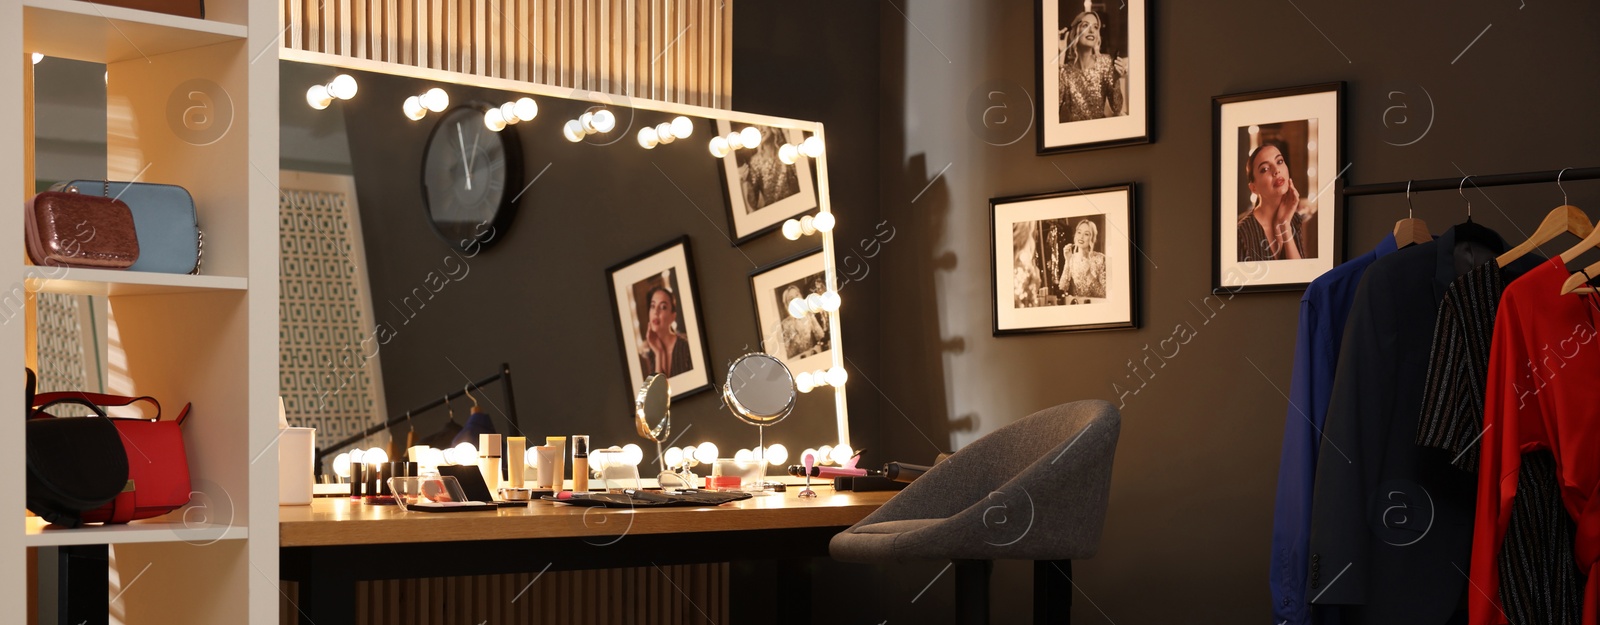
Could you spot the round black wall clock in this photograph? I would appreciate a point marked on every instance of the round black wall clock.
(470, 176)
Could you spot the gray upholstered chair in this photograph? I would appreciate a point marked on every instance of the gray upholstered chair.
(1033, 490)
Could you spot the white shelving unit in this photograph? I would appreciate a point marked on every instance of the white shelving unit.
(190, 102)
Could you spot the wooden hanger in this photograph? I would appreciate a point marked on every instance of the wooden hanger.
(1410, 231)
(1578, 282)
(1565, 218)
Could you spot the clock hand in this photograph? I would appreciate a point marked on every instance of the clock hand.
(462, 143)
(475, 138)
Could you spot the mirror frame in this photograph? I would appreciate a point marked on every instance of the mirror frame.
(745, 413)
(824, 202)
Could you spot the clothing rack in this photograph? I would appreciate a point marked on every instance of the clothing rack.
(1496, 180)
(503, 376)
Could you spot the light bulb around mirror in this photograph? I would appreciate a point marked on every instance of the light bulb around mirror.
(750, 136)
(673, 456)
(341, 465)
(508, 112)
(798, 308)
(632, 455)
(803, 382)
(788, 154)
(823, 222)
(719, 147)
(706, 453)
(465, 453)
(356, 454)
(526, 109)
(586, 121)
(743, 458)
(494, 120)
(431, 457)
(808, 225)
(814, 303)
(342, 87)
(791, 230)
(648, 139)
(604, 121)
(812, 146)
(825, 454)
(837, 376)
(413, 108)
(682, 127)
(376, 455)
(809, 452)
(436, 100)
(573, 130)
(735, 141)
(664, 132)
(317, 96)
(38, 56)
(842, 454)
(777, 454)
(831, 301)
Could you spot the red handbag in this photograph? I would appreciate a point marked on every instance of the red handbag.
(158, 467)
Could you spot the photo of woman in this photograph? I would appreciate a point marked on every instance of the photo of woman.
(1093, 74)
(658, 319)
(1277, 163)
(760, 190)
(1083, 275)
(667, 350)
(763, 178)
(803, 343)
(1276, 220)
(1093, 83)
(806, 335)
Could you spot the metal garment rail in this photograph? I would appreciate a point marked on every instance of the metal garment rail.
(503, 376)
(1496, 180)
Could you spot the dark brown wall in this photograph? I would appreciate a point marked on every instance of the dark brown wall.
(1187, 536)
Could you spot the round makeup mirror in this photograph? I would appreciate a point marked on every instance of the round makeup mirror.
(760, 390)
(651, 405)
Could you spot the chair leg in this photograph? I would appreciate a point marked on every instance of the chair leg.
(1052, 592)
(972, 591)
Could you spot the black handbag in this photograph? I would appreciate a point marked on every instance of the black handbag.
(74, 464)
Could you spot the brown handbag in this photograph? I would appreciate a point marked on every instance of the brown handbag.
(78, 230)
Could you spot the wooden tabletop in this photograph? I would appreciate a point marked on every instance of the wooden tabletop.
(339, 521)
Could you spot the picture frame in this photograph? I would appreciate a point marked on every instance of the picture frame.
(1294, 138)
(804, 343)
(760, 191)
(1064, 261)
(1093, 74)
(663, 274)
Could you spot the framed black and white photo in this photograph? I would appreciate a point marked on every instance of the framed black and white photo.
(1278, 158)
(1064, 261)
(1093, 74)
(657, 310)
(804, 343)
(762, 192)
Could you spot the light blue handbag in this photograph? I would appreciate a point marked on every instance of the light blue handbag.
(164, 219)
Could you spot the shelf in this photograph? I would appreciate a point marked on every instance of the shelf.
(106, 34)
(105, 282)
(135, 532)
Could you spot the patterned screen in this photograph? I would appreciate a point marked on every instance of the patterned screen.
(327, 380)
(64, 363)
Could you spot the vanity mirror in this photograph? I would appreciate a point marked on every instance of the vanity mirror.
(533, 291)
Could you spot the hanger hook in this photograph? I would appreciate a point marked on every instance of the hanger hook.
(1411, 209)
(1461, 190)
(408, 421)
(1559, 185)
(451, 409)
(468, 389)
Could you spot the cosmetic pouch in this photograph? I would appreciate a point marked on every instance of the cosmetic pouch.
(164, 218)
(74, 464)
(76, 230)
(157, 479)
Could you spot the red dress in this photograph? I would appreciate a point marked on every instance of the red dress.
(1543, 393)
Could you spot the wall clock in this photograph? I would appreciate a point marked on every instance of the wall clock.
(470, 178)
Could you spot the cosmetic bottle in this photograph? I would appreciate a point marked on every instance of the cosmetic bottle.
(489, 460)
(516, 452)
(580, 463)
